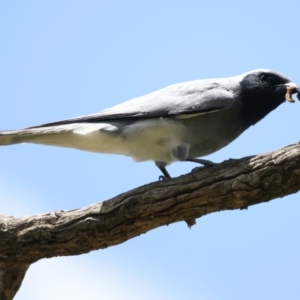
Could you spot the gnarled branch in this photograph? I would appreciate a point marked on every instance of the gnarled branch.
(233, 184)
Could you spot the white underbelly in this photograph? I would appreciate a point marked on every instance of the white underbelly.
(143, 140)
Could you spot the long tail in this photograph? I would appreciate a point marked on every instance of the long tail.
(88, 137)
(14, 137)
(30, 135)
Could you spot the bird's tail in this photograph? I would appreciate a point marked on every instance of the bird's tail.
(88, 137)
(30, 135)
(13, 137)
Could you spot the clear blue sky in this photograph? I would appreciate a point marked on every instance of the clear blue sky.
(62, 59)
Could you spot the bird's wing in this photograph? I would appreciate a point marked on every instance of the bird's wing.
(183, 100)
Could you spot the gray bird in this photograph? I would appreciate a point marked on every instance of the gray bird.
(181, 122)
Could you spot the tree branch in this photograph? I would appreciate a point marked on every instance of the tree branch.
(233, 184)
(11, 277)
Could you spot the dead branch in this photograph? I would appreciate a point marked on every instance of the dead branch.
(233, 184)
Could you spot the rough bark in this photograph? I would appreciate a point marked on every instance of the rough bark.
(233, 184)
(11, 277)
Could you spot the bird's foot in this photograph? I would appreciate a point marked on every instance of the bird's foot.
(165, 175)
(204, 162)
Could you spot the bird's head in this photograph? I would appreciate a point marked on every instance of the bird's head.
(262, 91)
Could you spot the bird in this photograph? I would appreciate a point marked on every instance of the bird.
(181, 122)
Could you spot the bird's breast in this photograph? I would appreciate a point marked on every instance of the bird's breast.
(210, 132)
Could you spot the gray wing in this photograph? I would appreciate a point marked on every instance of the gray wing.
(182, 100)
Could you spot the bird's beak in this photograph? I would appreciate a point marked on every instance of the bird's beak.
(291, 88)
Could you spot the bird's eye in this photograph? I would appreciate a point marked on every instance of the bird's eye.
(263, 78)
(267, 81)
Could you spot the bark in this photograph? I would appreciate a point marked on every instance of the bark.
(11, 277)
(233, 184)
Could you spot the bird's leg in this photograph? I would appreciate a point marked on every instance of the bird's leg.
(204, 162)
(162, 167)
(165, 172)
(181, 153)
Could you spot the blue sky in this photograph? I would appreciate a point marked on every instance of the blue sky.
(62, 59)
